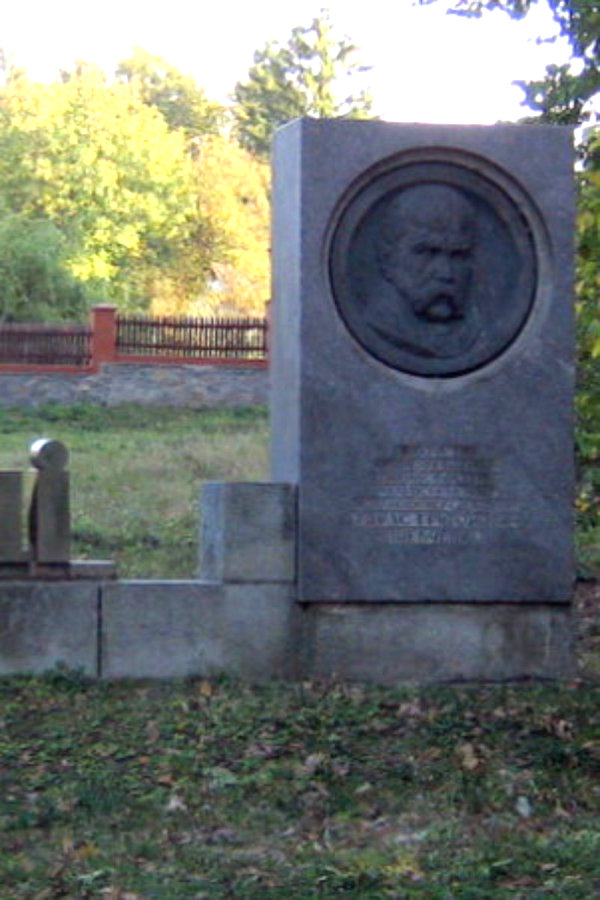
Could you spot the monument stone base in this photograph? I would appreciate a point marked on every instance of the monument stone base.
(428, 641)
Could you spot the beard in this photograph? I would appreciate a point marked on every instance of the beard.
(437, 305)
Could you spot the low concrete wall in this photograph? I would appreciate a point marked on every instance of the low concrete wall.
(148, 629)
(174, 629)
(153, 629)
(242, 618)
(191, 386)
(44, 624)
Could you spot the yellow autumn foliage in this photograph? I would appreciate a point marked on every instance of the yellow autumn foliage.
(90, 157)
(233, 195)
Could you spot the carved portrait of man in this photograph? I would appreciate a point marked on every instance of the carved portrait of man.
(433, 269)
(425, 248)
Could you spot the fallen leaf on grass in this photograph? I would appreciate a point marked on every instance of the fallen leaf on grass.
(84, 851)
(220, 777)
(380, 726)
(563, 729)
(78, 849)
(339, 768)
(262, 750)
(549, 867)
(429, 755)
(152, 732)
(593, 747)
(468, 757)
(561, 812)
(405, 867)
(411, 710)
(223, 836)
(256, 876)
(111, 893)
(205, 688)
(26, 864)
(363, 788)
(524, 807)
(523, 881)
(313, 763)
(175, 804)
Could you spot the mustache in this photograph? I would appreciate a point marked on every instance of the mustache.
(431, 299)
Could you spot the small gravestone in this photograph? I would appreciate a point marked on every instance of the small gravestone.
(422, 370)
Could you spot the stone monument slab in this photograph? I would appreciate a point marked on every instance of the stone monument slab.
(422, 359)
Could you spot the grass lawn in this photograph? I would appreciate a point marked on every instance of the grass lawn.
(220, 789)
(136, 475)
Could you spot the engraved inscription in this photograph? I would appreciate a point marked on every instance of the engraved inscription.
(436, 495)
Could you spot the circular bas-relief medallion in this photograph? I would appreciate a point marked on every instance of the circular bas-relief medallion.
(433, 267)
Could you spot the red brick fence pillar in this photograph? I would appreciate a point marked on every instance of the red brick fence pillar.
(104, 334)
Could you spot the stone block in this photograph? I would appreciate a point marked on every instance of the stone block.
(248, 532)
(260, 634)
(388, 643)
(422, 359)
(43, 625)
(11, 517)
(171, 629)
(154, 629)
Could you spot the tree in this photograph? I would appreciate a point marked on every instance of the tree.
(105, 170)
(566, 96)
(36, 285)
(588, 337)
(233, 187)
(233, 194)
(181, 102)
(568, 91)
(312, 75)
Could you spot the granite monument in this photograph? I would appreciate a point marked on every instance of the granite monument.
(422, 363)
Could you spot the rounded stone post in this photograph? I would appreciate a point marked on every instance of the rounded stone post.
(49, 515)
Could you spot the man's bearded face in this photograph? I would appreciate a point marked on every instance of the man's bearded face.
(430, 259)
